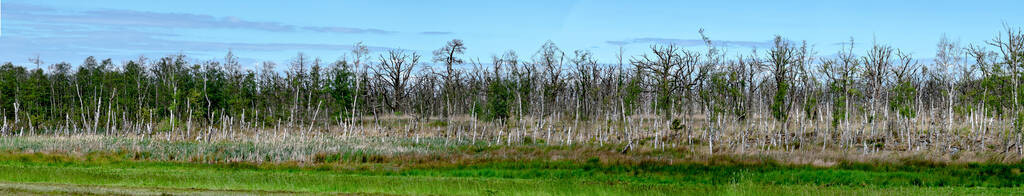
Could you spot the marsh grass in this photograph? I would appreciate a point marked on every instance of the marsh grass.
(440, 166)
(642, 138)
(587, 177)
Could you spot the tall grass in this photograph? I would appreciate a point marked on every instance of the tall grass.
(590, 177)
(529, 139)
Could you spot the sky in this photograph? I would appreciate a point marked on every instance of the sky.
(70, 30)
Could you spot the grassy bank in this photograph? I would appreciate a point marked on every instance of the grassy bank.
(592, 177)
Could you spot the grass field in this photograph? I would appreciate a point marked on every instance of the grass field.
(103, 174)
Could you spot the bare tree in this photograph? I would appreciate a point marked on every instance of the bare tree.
(550, 57)
(449, 56)
(585, 70)
(752, 66)
(839, 72)
(947, 59)
(1010, 44)
(394, 70)
(904, 72)
(360, 53)
(662, 67)
(36, 61)
(877, 64)
(296, 76)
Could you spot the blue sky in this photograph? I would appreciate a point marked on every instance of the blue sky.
(60, 30)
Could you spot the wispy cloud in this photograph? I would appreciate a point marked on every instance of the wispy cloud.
(132, 18)
(436, 33)
(134, 40)
(687, 42)
(59, 34)
(347, 30)
(25, 7)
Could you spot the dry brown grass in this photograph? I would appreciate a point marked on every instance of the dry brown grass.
(642, 138)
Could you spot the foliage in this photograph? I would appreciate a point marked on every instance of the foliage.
(779, 105)
(499, 99)
(905, 95)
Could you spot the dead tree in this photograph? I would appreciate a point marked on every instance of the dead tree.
(584, 74)
(448, 55)
(947, 59)
(662, 66)
(550, 57)
(877, 64)
(1011, 48)
(394, 70)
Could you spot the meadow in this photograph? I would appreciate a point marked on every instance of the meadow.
(123, 165)
(671, 120)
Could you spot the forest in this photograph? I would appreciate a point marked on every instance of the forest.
(867, 98)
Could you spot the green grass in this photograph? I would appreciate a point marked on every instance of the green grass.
(159, 175)
(591, 177)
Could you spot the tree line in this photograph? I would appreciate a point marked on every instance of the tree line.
(876, 86)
